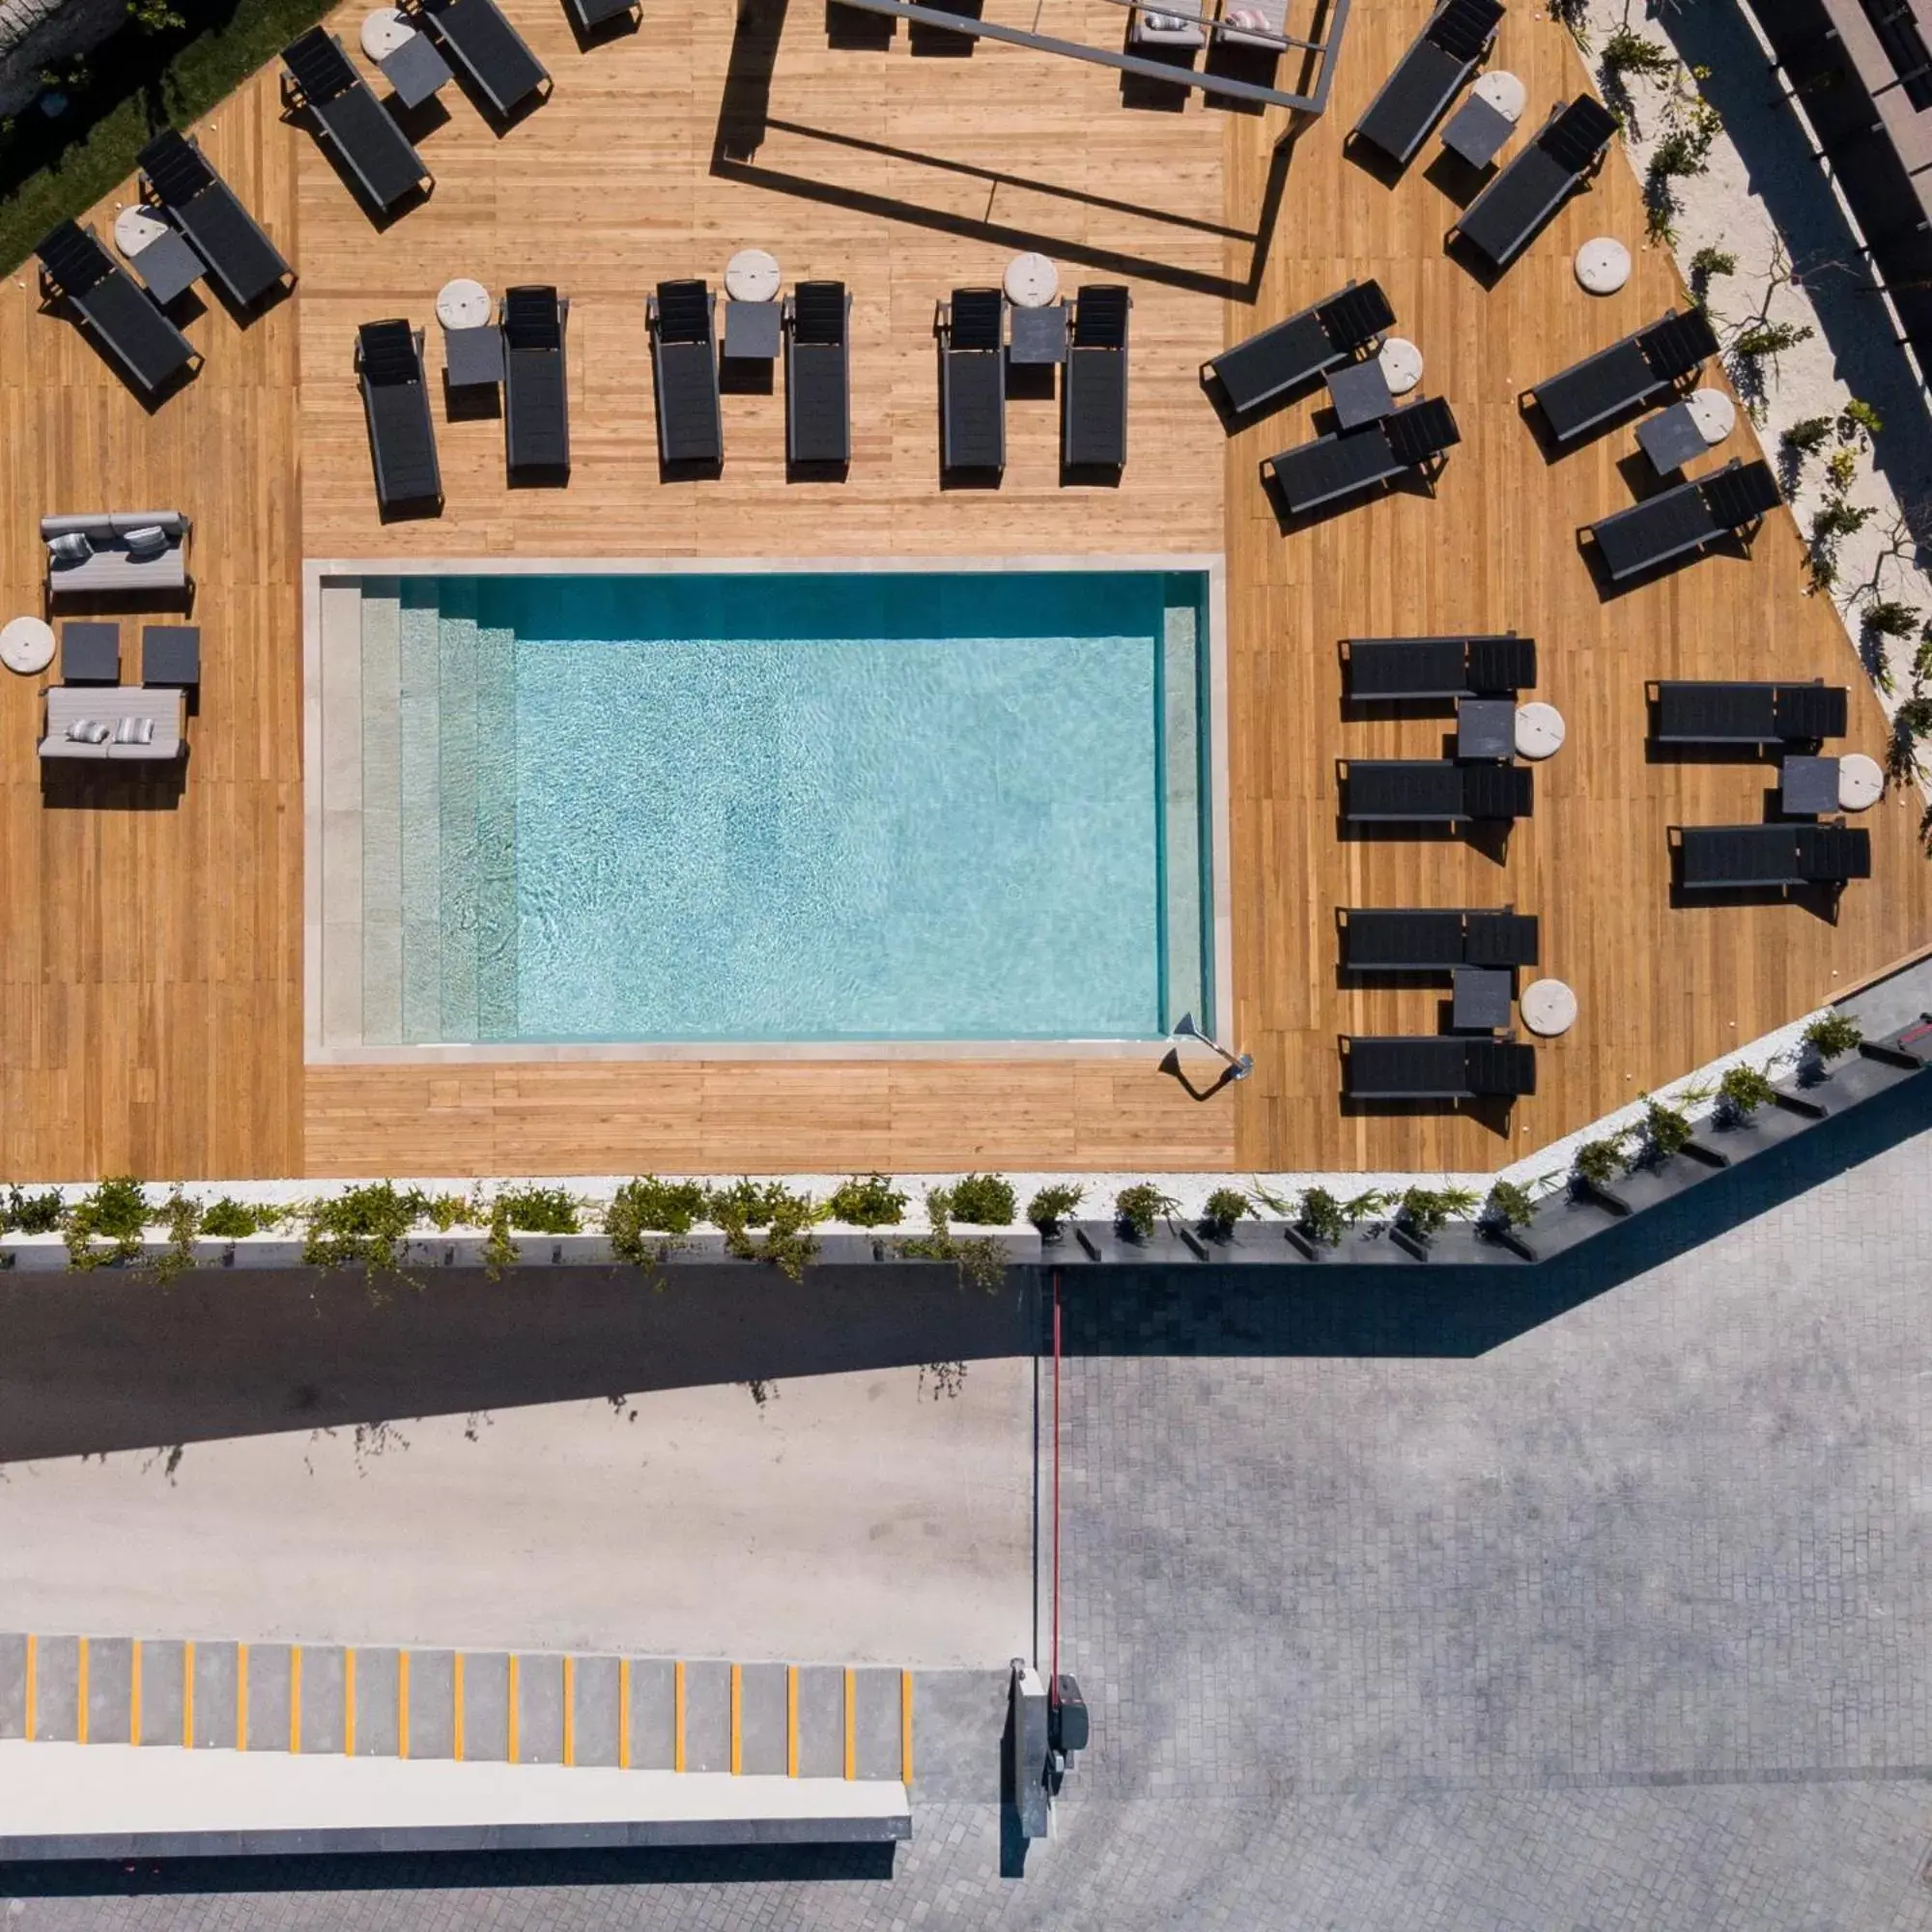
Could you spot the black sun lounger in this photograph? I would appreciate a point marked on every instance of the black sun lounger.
(349, 117)
(1628, 376)
(1093, 390)
(395, 399)
(1436, 1066)
(973, 380)
(120, 316)
(1344, 464)
(1683, 521)
(1712, 712)
(1718, 858)
(1415, 791)
(818, 374)
(238, 255)
(477, 37)
(536, 398)
(1417, 95)
(684, 367)
(1384, 939)
(1417, 668)
(1505, 218)
(1295, 353)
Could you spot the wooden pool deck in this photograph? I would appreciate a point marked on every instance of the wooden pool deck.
(151, 971)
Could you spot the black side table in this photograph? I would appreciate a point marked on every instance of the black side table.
(1671, 438)
(1360, 393)
(1039, 335)
(1477, 131)
(1486, 728)
(171, 656)
(1808, 787)
(89, 653)
(1480, 1000)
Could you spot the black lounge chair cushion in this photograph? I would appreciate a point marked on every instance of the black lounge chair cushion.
(1298, 350)
(683, 312)
(488, 48)
(1685, 519)
(1739, 494)
(1417, 94)
(123, 316)
(321, 69)
(1406, 789)
(1093, 396)
(402, 439)
(591, 14)
(978, 318)
(1718, 857)
(222, 231)
(1498, 791)
(1502, 664)
(1502, 939)
(1392, 940)
(1421, 432)
(975, 399)
(1506, 216)
(1438, 1066)
(536, 399)
(1628, 375)
(1393, 668)
(818, 420)
(1713, 713)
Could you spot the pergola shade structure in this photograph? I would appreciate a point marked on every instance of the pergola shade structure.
(1248, 32)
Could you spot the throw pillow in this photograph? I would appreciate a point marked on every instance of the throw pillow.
(128, 732)
(81, 731)
(72, 548)
(149, 541)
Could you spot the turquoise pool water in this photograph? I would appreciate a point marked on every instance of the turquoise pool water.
(745, 806)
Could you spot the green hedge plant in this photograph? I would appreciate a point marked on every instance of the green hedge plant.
(1832, 1034)
(647, 1207)
(782, 1221)
(363, 1227)
(1425, 1212)
(1743, 1091)
(115, 1212)
(872, 1202)
(1598, 1163)
(24, 1214)
(982, 1200)
(1508, 1205)
(980, 1259)
(1665, 1130)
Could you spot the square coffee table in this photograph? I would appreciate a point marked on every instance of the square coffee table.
(1360, 393)
(1486, 728)
(89, 653)
(1808, 787)
(168, 267)
(1477, 131)
(1671, 438)
(1480, 1000)
(751, 331)
(416, 71)
(1039, 335)
(473, 357)
(171, 656)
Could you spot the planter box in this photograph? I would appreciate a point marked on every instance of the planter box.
(1021, 1246)
(1166, 1247)
(38, 1252)
(1262, 1243)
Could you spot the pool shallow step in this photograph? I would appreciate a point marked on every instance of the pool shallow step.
(381, 963)
(495, 894)
(456, 634)
(420, 810)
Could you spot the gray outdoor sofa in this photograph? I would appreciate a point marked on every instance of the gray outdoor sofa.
(115, 712)
(111, 568)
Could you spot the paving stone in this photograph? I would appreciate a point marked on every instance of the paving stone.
(431, 1703)
(539, 1710)
(595, 1714)
(269, 1706)
(210, 1720)
(163, 1690)
(707, 1717)
(486, 1706)
(762, 1719)
(375, 1710)
(56, 1711)
(875, 1725)
(13, 1683)
(821, 1721)
(322, 1728)
(653, 1713)
(110, 1714)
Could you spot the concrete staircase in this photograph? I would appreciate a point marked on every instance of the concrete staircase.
(807, 1720)
(418, 745)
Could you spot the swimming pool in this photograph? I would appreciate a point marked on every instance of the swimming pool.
(784, 806)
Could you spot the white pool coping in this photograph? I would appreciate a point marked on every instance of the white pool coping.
(104, 1801)
(317, 575)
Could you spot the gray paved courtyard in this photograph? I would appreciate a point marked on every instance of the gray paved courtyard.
(1623, 1623)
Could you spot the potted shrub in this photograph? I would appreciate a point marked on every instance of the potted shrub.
(981, 1201)
(1219, 1213)
(1741, 1093)
(1595, 1167)
(1049, 1208)
(1507, 1210)
(1322, 1221)
(1139, 1209)
(1829, 1037)
(1665, 1131)
(1423, 1212)
(649, 1219)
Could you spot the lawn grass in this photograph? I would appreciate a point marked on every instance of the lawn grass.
(137, 84)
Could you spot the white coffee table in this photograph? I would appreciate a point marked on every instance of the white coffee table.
(1861, 783)
(1402, 365)
(136, 227)
(1714, 412)
(27, 645)
(463, 305)
(1603, 265)
(1503, 92)
(384, 32)
(1031, 281)
(751, 275)
(1539, 730)
(1549, 1008)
